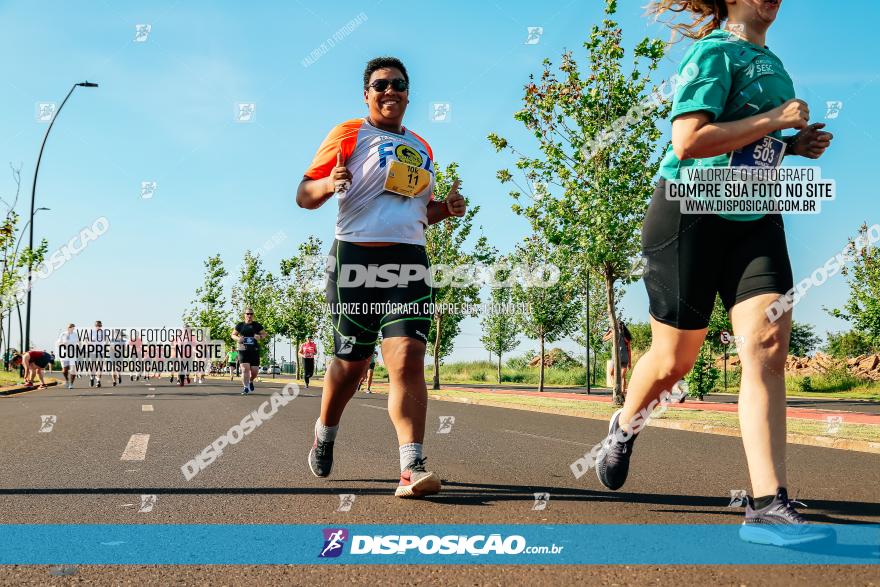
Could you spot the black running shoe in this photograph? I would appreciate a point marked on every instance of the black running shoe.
(780, 524)
(321, 458)
(245, 391)
(612, 465)
(252, 385)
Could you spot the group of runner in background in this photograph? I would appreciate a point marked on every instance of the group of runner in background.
(243, 360)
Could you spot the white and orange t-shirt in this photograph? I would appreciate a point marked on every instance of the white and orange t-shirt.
(308, 350)
(368, 210)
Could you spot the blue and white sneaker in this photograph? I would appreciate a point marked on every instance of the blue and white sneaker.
(780, 524)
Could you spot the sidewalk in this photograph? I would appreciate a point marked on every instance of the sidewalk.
(791, 412)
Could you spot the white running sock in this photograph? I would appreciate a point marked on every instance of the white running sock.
(409, 453)
(325, 433)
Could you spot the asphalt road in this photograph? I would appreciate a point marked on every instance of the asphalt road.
(492, 462)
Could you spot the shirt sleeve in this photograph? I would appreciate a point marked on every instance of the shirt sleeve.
(342, 138)
(704, 82)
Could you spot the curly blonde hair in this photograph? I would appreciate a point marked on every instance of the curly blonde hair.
(707, 15)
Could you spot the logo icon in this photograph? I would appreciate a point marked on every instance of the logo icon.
(738, 498)
(148, 188)
(334, 540)
(346, 500)
(441, 112)
(834, 424)
(542, 498)
(142, 32)
(147, 503)
(446, 423)
(45, 111)
(408, 155)
(534, 35)
(833, 108)
(245, 112)
(346, 345)
(639, 267)
(47, 423)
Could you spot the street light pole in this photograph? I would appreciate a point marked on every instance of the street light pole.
(27, 335)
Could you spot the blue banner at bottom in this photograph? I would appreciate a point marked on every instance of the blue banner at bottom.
(171, 544)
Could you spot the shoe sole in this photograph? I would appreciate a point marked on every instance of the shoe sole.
(428, 485)
(756, 535)
(315, 473)
(610, 424)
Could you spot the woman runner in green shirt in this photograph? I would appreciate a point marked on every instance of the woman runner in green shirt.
(732, 103)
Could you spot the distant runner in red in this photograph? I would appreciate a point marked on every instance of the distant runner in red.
(307, 351)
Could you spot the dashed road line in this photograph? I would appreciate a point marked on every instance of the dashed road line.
(374, 407)
(136, 449)
(546, 437)
(147, 408)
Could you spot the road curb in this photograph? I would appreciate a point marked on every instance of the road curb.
(792, 438)
(13, 390)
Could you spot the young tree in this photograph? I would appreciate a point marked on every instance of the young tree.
(499, 323)
(862, 309)
(803, 339)
(208, 309)
(552, 310)
(598, 318)
(843, 345)
(598, 136)
(445, 244)
(301, 296)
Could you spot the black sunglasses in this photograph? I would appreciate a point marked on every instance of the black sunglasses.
(397, 84)
(248, 313)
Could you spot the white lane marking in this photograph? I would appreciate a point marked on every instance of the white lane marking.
(151, 396)
(136, 449)
(152, 389)
(147, 408)
(546, 437)
(374, 407)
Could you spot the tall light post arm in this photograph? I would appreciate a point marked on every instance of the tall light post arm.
(27, 335)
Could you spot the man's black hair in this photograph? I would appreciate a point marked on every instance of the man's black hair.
(383, 63)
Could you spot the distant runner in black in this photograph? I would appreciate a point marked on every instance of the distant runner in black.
(247, 334)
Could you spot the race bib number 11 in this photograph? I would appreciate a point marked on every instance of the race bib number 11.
(406, 180)
(765, 152)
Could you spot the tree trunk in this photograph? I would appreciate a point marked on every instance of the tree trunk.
(299, 373)
(439, 328)
(499, 367)
(616, 395)
(541, 377)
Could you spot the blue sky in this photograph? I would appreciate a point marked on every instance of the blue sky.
(165, 113)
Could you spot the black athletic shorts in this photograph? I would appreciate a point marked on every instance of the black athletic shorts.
(43, 361)
(374, 290)
(251, 357)
(691, 257)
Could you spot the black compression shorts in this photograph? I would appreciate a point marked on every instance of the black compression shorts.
(361, 309)
(691, 257)
(251, 357)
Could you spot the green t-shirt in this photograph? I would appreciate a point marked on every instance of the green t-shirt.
(731, 79)
(231, 356)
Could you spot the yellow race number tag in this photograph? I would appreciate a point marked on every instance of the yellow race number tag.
(406, 180)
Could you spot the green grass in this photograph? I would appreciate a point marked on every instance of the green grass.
(486, 372)
(9, 377)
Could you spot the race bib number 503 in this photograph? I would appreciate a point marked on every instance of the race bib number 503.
(765, 152)
(406, 180)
